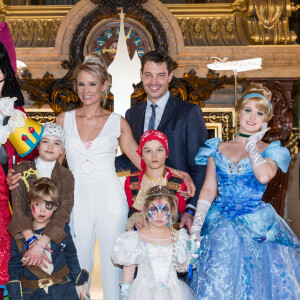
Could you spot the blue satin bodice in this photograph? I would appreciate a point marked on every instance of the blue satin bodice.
(239, 192)
(239, 198)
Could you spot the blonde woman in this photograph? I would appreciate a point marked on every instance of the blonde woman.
(247, 250)
(91, 138)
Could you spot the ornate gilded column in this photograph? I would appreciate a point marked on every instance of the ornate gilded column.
(268, 21)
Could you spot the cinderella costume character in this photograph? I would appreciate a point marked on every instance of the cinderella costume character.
(247, 250)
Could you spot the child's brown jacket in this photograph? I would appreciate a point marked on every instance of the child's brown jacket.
(22, 218)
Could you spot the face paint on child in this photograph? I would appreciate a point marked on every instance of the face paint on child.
(156, 207)
(49, 205)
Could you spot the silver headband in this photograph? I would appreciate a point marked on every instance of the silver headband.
(94, 60)
(160, 191)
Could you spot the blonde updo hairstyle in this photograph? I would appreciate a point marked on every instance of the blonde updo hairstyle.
(97, 69)
(261, 104)
(153, 194)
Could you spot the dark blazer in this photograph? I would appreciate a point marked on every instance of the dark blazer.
(184, 126)
(63, 254)
(22, 218)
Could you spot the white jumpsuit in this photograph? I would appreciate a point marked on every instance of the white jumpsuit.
(100, 206)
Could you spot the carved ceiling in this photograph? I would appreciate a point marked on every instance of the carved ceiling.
(243, 22)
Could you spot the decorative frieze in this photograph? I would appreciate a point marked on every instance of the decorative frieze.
(34, 32)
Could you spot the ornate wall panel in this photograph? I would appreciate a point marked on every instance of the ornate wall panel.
(211, 32)
(34, 32)
(243, 22)
(224, 121)
(268, 21)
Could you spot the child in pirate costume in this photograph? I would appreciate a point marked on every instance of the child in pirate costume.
(46, 165)
(60, 277)
(154, 150)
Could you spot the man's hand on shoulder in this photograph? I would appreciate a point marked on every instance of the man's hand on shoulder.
(12, 179)
(188, 181)
(186, 220)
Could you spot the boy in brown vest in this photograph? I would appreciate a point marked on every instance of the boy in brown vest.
(62, 273)
(46, 165)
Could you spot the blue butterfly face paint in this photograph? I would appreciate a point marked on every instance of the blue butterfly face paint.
(159, 210)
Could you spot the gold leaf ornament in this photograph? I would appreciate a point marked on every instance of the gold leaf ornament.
(268, 12)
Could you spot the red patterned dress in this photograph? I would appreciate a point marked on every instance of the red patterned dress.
(5, 217)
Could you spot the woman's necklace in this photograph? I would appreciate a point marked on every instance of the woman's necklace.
(243, 135)
(88, 137)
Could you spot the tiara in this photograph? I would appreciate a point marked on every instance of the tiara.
(160, 191)
(94, 60)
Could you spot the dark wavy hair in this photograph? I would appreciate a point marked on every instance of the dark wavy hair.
(11, 86)
(158, 57)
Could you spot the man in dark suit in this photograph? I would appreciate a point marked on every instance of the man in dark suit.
(180, 121)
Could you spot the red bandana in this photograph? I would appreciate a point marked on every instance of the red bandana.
(150, 135)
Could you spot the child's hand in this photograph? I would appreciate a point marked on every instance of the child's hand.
(35, 255)
(81, 291)
(12, 179)
(140, 224)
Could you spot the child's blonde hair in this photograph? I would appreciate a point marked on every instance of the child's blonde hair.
(159, 192)
(44, 187)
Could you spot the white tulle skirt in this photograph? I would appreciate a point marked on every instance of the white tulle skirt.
(178, 291)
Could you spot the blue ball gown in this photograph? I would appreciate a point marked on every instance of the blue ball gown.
(247, 251)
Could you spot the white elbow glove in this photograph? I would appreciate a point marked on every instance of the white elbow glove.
(254, 155)
(125, 289)
(201, 212)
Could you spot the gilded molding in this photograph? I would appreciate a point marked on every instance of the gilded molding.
(212, 31)
(293, 143)
(268, 22)
(223, 116)
(34, 32)
(244, 22)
